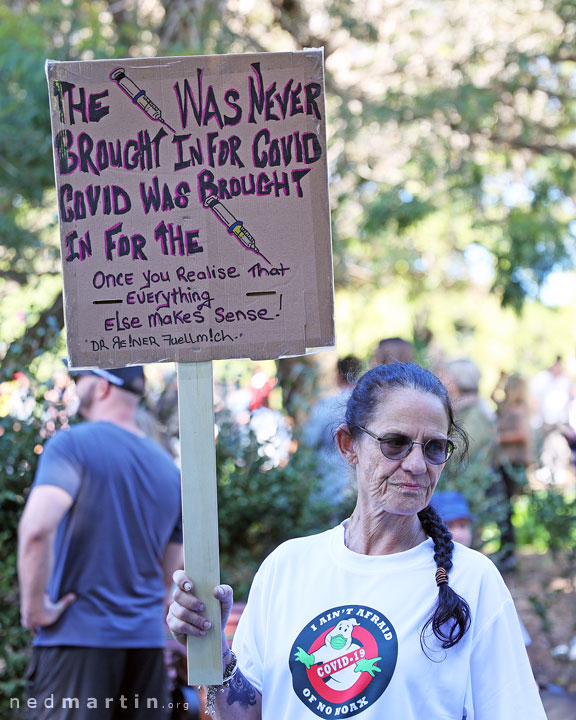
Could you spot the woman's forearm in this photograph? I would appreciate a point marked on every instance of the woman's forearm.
(238, 701)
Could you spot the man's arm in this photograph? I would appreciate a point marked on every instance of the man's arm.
(44, 511)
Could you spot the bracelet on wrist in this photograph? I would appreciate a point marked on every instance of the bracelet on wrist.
(211, 690)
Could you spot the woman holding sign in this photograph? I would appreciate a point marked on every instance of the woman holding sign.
(382, 616)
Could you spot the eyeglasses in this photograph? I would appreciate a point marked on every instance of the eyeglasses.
(396, 446)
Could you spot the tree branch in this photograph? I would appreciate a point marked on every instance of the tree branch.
(535, 147)
(18, 277)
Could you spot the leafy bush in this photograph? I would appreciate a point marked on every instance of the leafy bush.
(20, 442)
(260, 507)
(546, 520)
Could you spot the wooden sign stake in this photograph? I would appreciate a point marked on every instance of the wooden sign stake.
(200, 513)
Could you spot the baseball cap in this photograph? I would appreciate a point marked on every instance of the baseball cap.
(128, 378)
(451, 505)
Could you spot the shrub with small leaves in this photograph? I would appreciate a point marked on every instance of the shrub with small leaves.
(261, 507)
(20, 443)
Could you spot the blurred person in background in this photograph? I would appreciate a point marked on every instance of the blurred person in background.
(462, 378)
(393, 349)
(319, 432)
(513, 454)
(99, 539)
(552, 392)
(478, 480)
(453, 508)
(271, 429)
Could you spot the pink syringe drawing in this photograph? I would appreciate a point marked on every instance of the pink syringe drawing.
(138, 96)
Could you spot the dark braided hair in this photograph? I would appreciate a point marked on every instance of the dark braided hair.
(451, 617)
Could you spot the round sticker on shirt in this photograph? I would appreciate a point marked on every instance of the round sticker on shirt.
(343, 660)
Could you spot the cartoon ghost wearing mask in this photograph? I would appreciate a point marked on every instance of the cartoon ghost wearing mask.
(339, 666)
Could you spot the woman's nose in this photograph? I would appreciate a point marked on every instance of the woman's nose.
(415, 461)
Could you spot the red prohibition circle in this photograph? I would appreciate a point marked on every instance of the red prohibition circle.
(368, 643)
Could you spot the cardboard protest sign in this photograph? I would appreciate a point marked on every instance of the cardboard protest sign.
(193, 207)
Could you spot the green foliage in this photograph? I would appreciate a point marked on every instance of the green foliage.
(297, 378)
(546, 520)
(261, 507)
(17, 466)
(25, 143)
(537, 243)
(469, 129)
(396, 207)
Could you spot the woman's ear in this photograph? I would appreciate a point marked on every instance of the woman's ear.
(346, 444)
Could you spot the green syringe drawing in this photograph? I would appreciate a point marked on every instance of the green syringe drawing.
(233, 225)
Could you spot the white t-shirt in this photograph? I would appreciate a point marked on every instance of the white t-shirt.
(330, 633)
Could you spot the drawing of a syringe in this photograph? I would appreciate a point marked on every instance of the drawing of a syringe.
(234, 226)
(138, 96)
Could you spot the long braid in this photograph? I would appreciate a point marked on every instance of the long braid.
(451, 617)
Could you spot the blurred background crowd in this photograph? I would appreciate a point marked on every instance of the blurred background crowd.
(522, 433)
